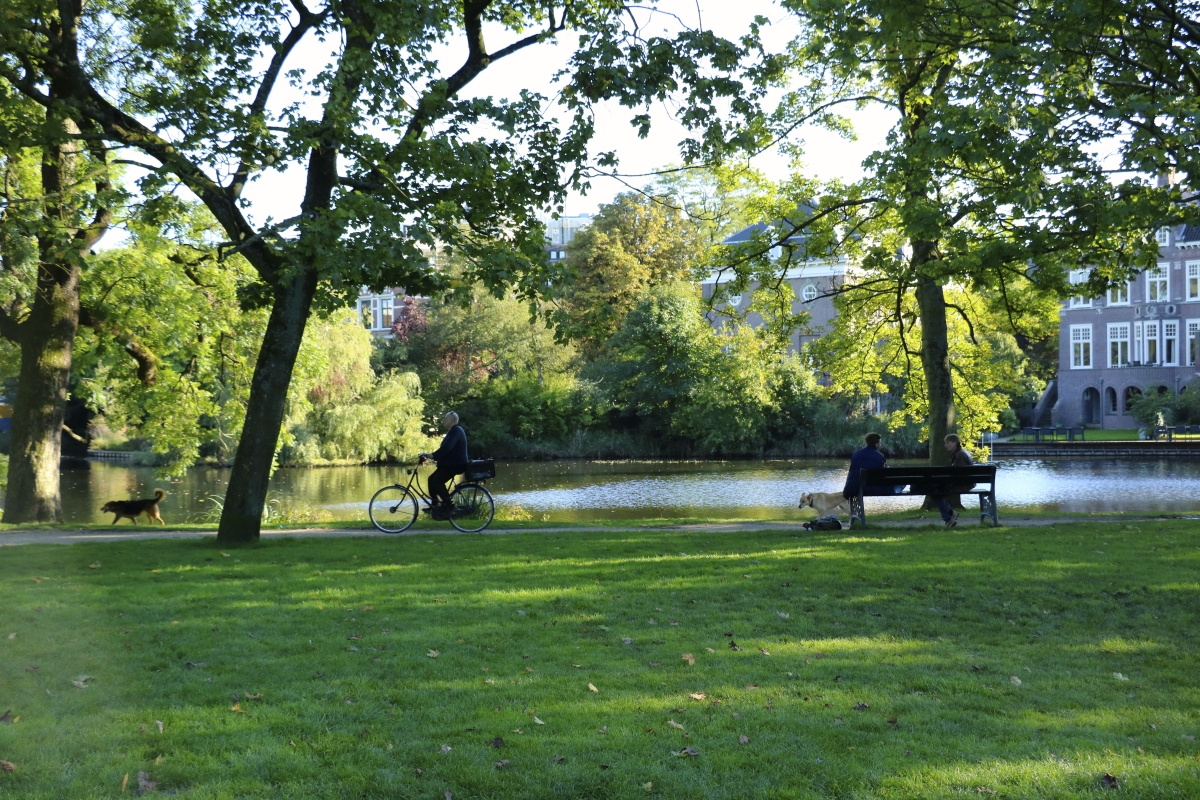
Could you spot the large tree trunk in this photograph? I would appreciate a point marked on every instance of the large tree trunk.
(47, 338)
(47, 341)
(241, 518)
(935, 360)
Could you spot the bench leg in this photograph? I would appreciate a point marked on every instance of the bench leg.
(987, 508)
(857, 511)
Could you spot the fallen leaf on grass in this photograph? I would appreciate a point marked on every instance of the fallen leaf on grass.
(445, 749)
(79, 684)
(433, 653)
(145, 784)
(537, 721)
(688, 657)
(593, 688)
(1110, 781)
(237, 707)
(685, 752)
(501, 764)
(489, 680)
(95, 565)
(447, 795)
(158, 722)
(698, 695)
(674, 724)
(557, 759)
(893, 721)
(861, 706)
(497, 742)
(820, 655)
(655, 663)
(368, 608)
(252, 696)
(1120, 677)
(984, 790)
(8, 766)
(354, 637)
(743, 740)
(648, 786)
(1014, 680)
(751, 685)
(763, 651)
(197, 665)
(7, 716)
(784, 614)
(626, 640)
(604, 729)
(734, 645)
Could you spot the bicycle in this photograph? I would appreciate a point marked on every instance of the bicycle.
(393, 509)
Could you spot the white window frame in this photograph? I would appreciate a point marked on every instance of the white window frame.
(1192, 279)
(1158, 284)
(1137, 342)
(1078, 276)
(1163, 236)
(1191, 329)
(1170, 342)
(808, 293)
(1122, 290)
(1119, 334)
(1081, 346)
(1151, 343)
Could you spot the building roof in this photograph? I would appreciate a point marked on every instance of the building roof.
(775, 229)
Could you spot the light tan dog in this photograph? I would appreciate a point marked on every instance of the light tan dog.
(825, 503)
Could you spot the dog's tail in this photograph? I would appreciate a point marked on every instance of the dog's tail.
(159, 494)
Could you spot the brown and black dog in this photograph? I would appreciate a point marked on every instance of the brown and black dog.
(132, 508)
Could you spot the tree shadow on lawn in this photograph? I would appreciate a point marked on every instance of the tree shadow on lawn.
(915, 665)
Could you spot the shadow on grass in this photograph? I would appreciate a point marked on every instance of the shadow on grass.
(869, 664)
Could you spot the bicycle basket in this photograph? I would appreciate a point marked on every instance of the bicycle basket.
(481, 470)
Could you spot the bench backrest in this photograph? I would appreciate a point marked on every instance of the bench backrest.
(900, 476)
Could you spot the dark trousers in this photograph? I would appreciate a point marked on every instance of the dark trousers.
(437, 483)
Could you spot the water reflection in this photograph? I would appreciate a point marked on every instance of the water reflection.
(577, 491)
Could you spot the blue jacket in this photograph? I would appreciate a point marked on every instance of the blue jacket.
(866, 458)
(453, 452)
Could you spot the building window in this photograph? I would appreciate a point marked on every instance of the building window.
(1110, 400)
(1193, 336)
(1163, 236)
(1170, 345)
(1119, 295)
(364, 313)
(1193, 280)
(1132, 393)
(1118, 346)
(809, 294)
(1157, 285)
(1079, 276)
(386, 305)
(1150, 346)
(1081, 347)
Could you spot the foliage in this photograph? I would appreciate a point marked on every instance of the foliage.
(635, 242)
(1162, 407)
(956, 728)
(165, 351)
(340, 410)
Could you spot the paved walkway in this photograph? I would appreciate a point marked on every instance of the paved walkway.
(19, 537)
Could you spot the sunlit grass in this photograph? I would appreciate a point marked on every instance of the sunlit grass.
(908, 664)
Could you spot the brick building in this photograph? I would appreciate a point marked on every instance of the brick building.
(1139, 337)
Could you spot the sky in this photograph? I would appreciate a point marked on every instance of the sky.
(276, 195)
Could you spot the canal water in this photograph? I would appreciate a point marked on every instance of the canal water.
(571, 491)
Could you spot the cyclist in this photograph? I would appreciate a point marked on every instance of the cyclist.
(451, 460)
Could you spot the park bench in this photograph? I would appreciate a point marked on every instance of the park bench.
(927, 480)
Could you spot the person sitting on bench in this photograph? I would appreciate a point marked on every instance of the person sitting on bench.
(958, 458)
(866, 457)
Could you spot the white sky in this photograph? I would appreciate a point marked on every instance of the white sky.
(277, 195)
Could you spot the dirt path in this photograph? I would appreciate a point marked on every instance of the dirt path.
(18, 537)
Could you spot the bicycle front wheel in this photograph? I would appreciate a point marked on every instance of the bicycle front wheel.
(473, 508)
(393, 509)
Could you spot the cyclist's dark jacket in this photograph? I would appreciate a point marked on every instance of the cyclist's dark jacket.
(453, 452)
(864, 458)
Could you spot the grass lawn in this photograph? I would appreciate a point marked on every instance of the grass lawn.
(882, 664)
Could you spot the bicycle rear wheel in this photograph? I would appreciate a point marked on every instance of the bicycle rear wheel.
(473, 508)
(393, 509)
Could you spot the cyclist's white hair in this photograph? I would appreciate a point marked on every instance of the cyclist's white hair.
(452, 416)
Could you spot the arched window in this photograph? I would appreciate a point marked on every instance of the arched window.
(1132, 393)
(1110, 400)
(809, 293)
(1091, 406)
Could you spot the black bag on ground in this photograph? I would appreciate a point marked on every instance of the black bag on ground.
(829, 523)
(481, 469)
